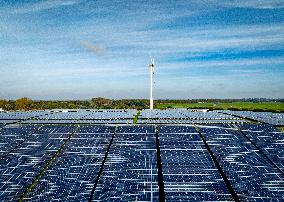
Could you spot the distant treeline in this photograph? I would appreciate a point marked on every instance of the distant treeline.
(104, 103)
(95, 103)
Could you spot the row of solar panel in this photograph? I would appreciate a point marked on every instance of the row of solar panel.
(182, 114)
(146, 116)
(72, 175)
(188, 171)
(188, 121)
(79, 121)
(130, 168)
(251, 174)
(69, 115)
(276, 119)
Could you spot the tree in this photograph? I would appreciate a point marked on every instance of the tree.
(3, 103)
(100, 102)
(24, 104)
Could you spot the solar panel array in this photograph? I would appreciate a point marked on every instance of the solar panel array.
(72, 175)
(15, 117)
(189, 172)
(169, 116)
(276, 119)
(130, 171)
(59, 117)
(268, 139)
(252, 176)
(13, 136)
(20, 115)
(22, 165)
(140, 162)
(81, 116)
(184, 116)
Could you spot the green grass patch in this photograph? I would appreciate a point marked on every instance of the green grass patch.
(251, 106)
(281, 128)
(135, 119)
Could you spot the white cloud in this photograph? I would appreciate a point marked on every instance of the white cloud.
(258, 4)
(231, 63)
(196, 41)
(45, 5)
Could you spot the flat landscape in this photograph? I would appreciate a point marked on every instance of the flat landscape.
(246, 106)
(142, 101)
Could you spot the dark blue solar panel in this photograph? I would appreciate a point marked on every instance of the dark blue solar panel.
(74, 172)
(21, 166)
(264, 117)
(269, 140)
(10, 137)
(252, 177)
(221, 125)
(188, 170)
(130, 171)
(258, 127)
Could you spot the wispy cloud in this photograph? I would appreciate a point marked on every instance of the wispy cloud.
(98, 49)
(235, 63)
(258, 4)
(199, 41)
(44, 5)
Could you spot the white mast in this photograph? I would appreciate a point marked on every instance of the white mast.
(151, 67)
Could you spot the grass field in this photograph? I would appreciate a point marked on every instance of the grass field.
(258, 106)
(281, 128)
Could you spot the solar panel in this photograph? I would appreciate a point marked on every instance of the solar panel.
(74, 172)
(268, 139)
(184, 116)
(20, 167)
(10, 137)
(48, 161)
(21, 115)
(130, 171)
(188, 171)
(84, 117)
(252, 177)
(264, 117)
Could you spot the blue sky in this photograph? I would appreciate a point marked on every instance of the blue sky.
(79, 49)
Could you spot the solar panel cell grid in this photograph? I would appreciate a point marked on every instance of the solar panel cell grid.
(251, 175)
(21, 166)
(11, 137)
(21, 115)
(130, 171)
(189, 172)
(184, 116)
(269, 140)
(74, 172)
(265, 117)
